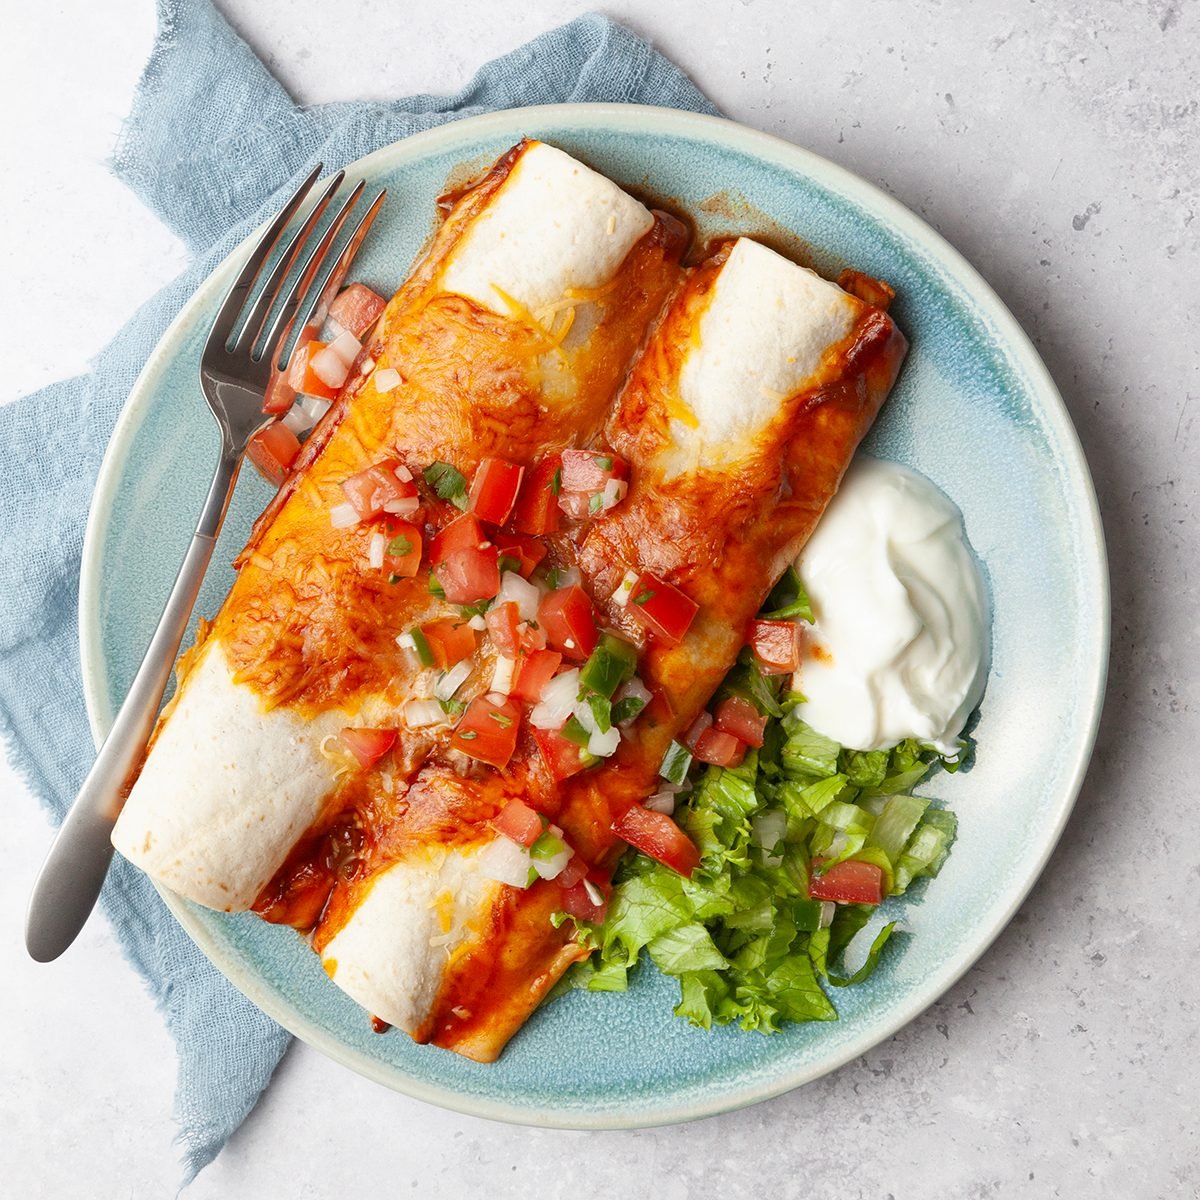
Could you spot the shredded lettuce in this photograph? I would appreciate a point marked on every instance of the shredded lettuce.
(742, 936)
(788, 599)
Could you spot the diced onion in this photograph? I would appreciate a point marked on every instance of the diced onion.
(297, 420)
(633, 689)
(405, 641)
(766, 828)
(595, 895)
(625, 589)
(404, 506)
(403, 474)
(420, 713)
(452, 680)
(502, 677)
(331, 330)
(584, 715)
(343, 516)
(521, 592)
(375, 551)
(698, 727)
(478, 623)
(367, 366)
(614, 492)
(558, 699)
(828, 909)
(387, 380)
(569, 576)
(346, 346)
(504, 861)
(602, 745)
(552, 868)
(661, 801)
(315, 407)
(329, 367)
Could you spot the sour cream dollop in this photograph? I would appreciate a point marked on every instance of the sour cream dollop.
(901, 641)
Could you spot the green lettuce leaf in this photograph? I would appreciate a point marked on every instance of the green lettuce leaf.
(788, 599)
(742, 936)
(687, 948)
(807, 752)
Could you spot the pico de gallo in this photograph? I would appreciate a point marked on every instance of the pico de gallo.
(765, 849)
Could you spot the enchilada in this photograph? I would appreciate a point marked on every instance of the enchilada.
(731, 436)
(517, 326)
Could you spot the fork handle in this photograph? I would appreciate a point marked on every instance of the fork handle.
(71, 877)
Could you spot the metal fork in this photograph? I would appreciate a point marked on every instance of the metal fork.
(234, 371)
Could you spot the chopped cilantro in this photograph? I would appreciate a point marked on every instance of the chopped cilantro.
(448, 483)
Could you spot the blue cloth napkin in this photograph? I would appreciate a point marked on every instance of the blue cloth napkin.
(212, 145)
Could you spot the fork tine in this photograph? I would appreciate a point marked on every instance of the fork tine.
(235, 298)
(323, 296)
(253, 326)
(282, 324)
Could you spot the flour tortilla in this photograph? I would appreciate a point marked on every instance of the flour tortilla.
(228, 788)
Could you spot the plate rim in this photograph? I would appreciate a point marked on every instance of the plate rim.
(628, 118)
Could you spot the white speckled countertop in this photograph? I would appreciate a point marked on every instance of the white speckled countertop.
(1057, 146)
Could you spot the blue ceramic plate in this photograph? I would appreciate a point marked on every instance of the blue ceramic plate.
(975, 410)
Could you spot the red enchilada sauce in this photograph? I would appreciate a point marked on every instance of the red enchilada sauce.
(311, 626)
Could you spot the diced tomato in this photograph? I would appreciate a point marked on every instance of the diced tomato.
(720, 749)
(302, 378)
(655, 834)
(378, 487)
(740, 717)
(526, 550)
(848, 882)
(450, 641)
(356, 309)
(368, 745)
(536, 510)
(468, 576)
(776, 645)
(502, 622)
(563, 758)
(463, 533)
(494, 489)
(577, 901)
(273, 451)
(396, 560)
(518, 821)
(280, 395)
(574, 872)
(661, 608)
(533, 672)
(570, 624)
(488, 732)
(589, 470)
